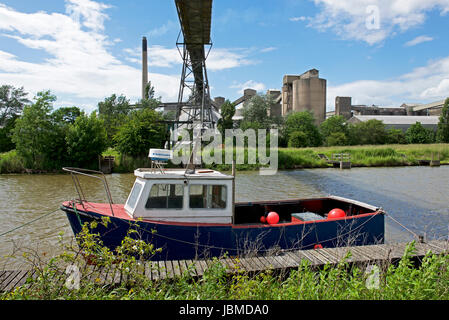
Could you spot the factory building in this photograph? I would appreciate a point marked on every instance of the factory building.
(400, 122)
(345, 108)
(306, 92)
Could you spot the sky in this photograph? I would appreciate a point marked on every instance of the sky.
(382, 52)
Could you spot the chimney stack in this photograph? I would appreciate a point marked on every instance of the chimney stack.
(144, 66)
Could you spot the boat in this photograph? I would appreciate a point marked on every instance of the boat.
(193, 215)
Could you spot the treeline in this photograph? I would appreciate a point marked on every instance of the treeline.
(35, 135)
(38, 137)
(299, 129)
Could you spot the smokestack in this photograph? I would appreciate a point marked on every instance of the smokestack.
(144, 66)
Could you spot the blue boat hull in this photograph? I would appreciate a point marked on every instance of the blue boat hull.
(184, 241)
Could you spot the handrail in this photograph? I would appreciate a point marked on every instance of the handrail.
(85, 172)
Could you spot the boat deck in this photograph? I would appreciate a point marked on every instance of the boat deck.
(280, 262)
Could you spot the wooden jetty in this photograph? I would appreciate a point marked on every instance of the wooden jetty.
(338, 160)
(283, 261)
(106, 164)
(432, 162)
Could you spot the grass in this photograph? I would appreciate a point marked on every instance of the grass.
(361, 156)
(11, 162)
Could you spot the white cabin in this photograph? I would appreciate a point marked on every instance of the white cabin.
(171, 195)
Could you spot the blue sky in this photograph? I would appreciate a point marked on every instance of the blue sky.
(377, 51)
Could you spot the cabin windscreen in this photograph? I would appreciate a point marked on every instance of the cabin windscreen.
(207, 196)
(134, 195)
(165, 196)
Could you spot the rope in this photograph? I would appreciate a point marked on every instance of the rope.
(407, 229)
(28, 223)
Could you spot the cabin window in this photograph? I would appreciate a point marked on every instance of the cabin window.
(134, 195)
(165, 196)
(207, 196)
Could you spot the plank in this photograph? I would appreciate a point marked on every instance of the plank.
(190, 267)
(162, 270)
(362, 255)
(296, 256)
(288, 261)
(176, 268)
(19, 278)
(169, 269)
(273, 262)
(330, 259)
(7, 277)
(314, 261)
(203, 266)
(247, 265)
(198, 268)
(263, 262)
(257, 263)
(153, 269)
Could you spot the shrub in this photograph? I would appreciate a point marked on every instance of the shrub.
(418, 134)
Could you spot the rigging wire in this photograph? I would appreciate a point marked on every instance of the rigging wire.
(28, 223)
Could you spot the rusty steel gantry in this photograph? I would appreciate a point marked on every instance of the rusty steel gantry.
(194, 44)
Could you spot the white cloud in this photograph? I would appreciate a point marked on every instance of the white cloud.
(373, 21)
(218, 59)
(418, 40)
(162, 30)
(79, 67)
(250, 84)
(296, 19)
(268, 49)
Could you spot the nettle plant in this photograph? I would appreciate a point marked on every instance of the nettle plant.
(87, 268)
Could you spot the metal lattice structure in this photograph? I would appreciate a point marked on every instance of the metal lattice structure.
(195, 19)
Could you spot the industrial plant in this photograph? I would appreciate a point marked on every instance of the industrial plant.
(299, 92)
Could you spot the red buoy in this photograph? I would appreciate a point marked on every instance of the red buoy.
(273, 218)
(263, 219)
(336, 213)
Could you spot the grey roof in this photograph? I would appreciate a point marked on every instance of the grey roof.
(400, 119)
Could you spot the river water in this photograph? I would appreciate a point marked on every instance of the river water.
(416, 197)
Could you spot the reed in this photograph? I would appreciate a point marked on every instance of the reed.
(11, 162)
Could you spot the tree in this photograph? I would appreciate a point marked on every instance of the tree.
(66, 115)
(337, 139)
(227, 113)
(6, 143)
(113, 111)
(396, 136)
(34, 133)
(141, 132)
(420, 135)
(86, 140)
(12, 102)
(298, 139)
(367, 132)
(255, 112)
(334, 131)
(305, 123)
(443, 125)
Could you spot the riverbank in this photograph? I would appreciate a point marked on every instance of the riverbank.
(308, 158)
(289, 158)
